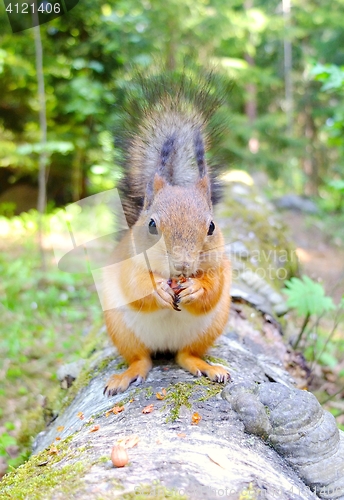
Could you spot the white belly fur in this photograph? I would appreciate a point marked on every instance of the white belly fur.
(160, 330)
(165, 329)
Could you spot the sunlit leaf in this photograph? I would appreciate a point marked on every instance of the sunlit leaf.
(307, 297)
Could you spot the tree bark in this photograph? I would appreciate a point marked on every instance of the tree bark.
(172, 454)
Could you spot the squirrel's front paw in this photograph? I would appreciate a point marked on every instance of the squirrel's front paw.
(192, 290)
(164, 294)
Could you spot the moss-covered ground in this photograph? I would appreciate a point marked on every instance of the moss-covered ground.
(44, 475)
(184, 394)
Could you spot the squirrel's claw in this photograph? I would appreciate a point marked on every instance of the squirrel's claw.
(176, 301)
(220, 377)
(191, 291)
(120, 383)
(110, 392)
(136, 373)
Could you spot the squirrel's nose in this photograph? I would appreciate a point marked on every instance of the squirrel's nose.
(182, 267)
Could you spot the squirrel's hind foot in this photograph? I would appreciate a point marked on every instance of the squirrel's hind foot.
(135, 374)
(199, 367)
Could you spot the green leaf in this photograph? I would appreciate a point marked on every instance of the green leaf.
(337, 184)
(328, 359)
(5, 441)
(307, 297)
(331, 75)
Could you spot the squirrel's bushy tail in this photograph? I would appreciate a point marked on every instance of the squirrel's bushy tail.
(172, 114)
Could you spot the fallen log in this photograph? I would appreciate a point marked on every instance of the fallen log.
(259, 437)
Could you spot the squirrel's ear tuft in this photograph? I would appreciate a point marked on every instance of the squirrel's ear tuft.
(200, 154)
(153, 187)
(203, 185)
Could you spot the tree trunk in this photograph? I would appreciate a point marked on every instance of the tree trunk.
(42, 174)
(288, 66)
(251, 92)
(310, 162)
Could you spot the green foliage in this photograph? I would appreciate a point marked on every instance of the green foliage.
(89, 56)
(327, 353)
(337, 185)
(5, 441)
(44, 317)
(332, 78)
(79, 93)
(331, 75)
(307, 297)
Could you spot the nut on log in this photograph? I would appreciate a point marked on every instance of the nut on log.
(119, 456)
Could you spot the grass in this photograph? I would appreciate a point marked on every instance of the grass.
(43, 319)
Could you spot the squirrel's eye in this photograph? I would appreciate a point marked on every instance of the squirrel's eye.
(152, 227)
(211, 228)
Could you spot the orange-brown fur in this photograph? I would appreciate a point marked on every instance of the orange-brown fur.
(185, 246)
(215, 290)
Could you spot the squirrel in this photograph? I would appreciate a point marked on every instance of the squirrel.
(169, 289)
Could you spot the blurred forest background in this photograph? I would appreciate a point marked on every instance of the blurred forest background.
(286, 109)
(285, 114)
